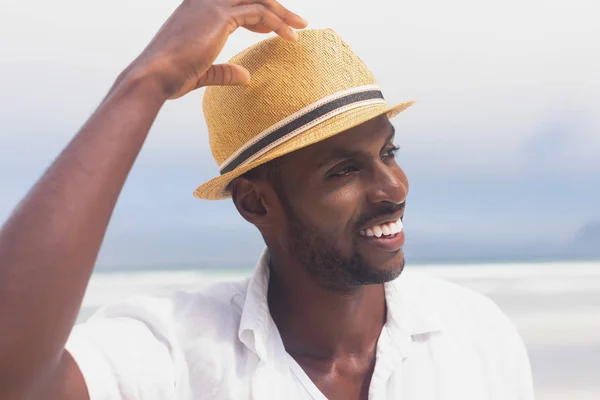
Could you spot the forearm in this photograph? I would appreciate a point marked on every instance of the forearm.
(49, 245)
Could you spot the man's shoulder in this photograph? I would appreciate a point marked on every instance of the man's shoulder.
(434, 288)
(472, 328)
(222, 298)
(456, 305)
(215, 304)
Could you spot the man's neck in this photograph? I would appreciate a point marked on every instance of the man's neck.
(321, 324)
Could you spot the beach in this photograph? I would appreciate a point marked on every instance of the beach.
(555, 306)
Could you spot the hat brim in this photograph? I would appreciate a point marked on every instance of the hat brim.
(216, 188)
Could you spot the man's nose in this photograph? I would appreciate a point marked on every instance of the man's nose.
(388, 185)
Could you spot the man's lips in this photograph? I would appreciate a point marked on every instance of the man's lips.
(398, 216)
(393, 242)
(386, 229)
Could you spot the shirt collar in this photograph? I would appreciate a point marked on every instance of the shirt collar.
(410, 317)
(410, 307)
(256, 318)
(408, 312)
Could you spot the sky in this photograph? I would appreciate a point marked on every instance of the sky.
(503, 144)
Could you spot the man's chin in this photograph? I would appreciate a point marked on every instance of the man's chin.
(394, 267)
(386, 261)
(385, 272)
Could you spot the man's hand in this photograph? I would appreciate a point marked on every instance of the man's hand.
(49, 244)
(182, 53)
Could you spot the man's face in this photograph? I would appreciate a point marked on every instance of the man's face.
(335, 190)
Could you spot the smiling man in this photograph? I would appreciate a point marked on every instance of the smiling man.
(305, 147)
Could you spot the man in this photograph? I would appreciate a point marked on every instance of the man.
(302, 137)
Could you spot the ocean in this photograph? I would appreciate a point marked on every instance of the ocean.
(555, 306)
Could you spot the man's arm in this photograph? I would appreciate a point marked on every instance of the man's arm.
(49, 245)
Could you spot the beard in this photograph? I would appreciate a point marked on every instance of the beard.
(326, 264)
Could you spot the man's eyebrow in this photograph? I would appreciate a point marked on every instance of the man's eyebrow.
(340, 153)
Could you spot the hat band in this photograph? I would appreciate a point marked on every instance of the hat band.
(301, 121)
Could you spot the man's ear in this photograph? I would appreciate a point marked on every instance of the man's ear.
(252, 200)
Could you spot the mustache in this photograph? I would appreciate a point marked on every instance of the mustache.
(383, 210)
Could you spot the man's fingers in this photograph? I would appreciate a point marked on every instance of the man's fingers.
(259, 29)
(290, 18)
(225, 75)
(259, 17)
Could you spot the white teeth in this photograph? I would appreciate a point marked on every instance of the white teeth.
(391, 228)
(377, 231)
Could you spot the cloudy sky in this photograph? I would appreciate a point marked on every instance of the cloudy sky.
(503, 144)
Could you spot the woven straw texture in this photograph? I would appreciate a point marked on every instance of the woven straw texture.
(286, 77)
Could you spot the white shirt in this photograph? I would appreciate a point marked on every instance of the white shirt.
(440, 341)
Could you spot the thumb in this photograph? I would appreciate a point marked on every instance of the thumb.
(225, 74)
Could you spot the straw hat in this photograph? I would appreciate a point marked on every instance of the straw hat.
(300, 93)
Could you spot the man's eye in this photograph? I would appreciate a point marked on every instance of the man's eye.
(391, 153)
(345, 171)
